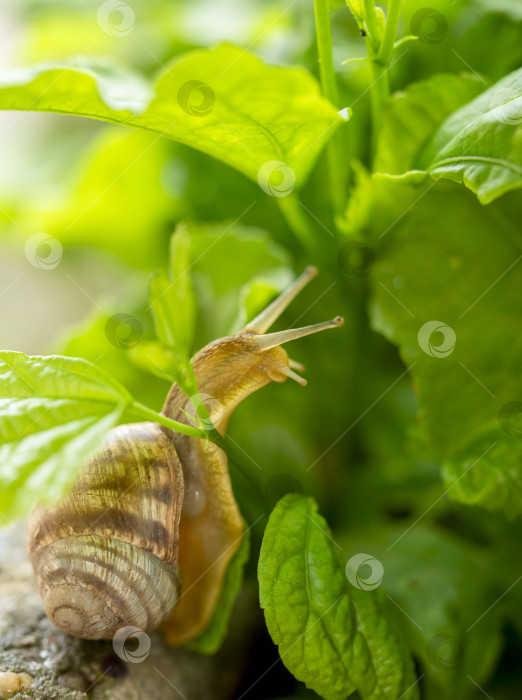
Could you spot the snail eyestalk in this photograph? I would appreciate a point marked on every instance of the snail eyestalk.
(272, 340)
(261, 323)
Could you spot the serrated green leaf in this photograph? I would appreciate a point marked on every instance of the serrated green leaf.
(53, 412)
(332, 636)
(214, 635)
(222, 101)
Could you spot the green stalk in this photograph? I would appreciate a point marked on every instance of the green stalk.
(329, 89)
(296, 220)
(390, 32)
(380, 57)
(144, 412)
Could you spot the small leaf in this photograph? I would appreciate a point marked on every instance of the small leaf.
(332, 636)
(213, 637)
(54, 411)
(172, 299)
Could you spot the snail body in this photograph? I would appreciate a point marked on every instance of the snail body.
(147, 532)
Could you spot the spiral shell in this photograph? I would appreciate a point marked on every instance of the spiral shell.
(106, 555)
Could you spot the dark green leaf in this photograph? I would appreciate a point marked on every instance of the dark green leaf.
(332, 636)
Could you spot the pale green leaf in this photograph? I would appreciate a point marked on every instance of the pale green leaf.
(222, 101)
(54, 411)
(331, 635)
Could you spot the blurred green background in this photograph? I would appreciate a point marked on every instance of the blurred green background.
(113, 196)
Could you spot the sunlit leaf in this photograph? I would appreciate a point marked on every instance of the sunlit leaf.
(54, 411)
(223, 101)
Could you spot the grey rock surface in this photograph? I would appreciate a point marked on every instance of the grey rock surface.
(66, 668)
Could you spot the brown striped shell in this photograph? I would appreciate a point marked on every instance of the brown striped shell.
(106, 555)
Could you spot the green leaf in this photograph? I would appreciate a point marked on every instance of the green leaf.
(214, 635)
(480, 145)
(226, 256)
(54, 411)
(464, 273)
(222, 101)
(430, 575)
(332, 636)
(412, 116)
(172, 300)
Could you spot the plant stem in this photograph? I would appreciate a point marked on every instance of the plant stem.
(380, 57)
(390, 32)
(145, 412)
(329, 89)
(379, 93)
(293, 213)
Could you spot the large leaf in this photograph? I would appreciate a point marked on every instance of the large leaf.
(223, 101)
(440, 288)
(331, 635)
(480, 145)
(54, 411)
(443, 585)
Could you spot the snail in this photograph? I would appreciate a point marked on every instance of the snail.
(146, 533)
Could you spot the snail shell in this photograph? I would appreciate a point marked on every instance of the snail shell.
(106, 555)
